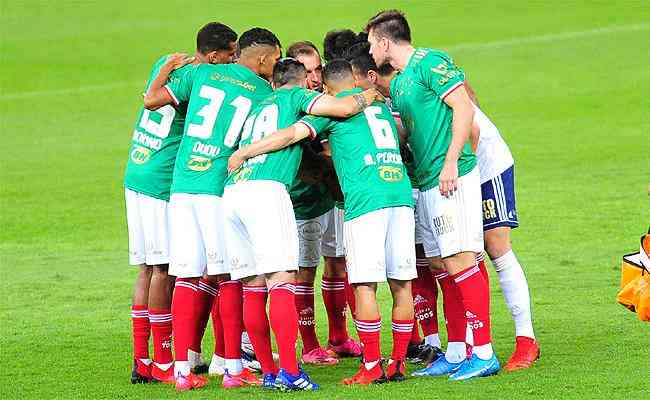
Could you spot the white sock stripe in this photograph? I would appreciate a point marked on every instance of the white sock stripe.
(185, 284)
(139, 312)
(207, 289)
(480, 257)
(442, 275)
(139, 316)
(256, 289)
(333, 289)
(160, 317)
(161, 320)
(421, 263)
(286, 286)
(368, 326)
(466, 274)
(228, 283)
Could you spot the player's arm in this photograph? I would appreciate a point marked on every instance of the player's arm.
(461, 127)
(273, 142)
(344, 107)
(157, 95)
(471, 92)
(474, 136)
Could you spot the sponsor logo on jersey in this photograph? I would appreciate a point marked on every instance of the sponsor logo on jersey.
(206, 149)
(199, 163)
(391, 174)
(147, 140)
(140, 154)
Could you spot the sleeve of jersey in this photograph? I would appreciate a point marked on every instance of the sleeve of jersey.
(179, 88)
(309, 99)
(441, 75)
(316, 125)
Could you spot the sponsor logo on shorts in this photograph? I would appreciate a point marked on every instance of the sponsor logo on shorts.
(199, 163)
(236, 264)
(391, 174)
(443, 224)
(140, 154)
(213, 258)
(311, 231)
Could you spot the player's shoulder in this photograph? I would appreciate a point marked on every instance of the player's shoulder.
(426, 58)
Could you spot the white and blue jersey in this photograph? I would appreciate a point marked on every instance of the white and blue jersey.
(497, 170)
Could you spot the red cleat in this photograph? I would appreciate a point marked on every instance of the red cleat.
(141, 372)
(349, 348)
(164, 376)
(396, 371)
(245, 378)
(189, 382)
(526, 353)
(367, 377)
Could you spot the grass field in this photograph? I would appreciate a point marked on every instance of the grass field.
(566, 82)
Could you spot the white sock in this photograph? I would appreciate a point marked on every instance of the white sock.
(515, 290)
(433, 340)
(218, 360)
(145, 361)
(456, 352)
(182, 368)
(164, 367)
(469, 336)
(484, 352)
(234, 366)
(194, 358)
(371, 365)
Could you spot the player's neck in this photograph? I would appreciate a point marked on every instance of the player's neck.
(250, 63)
(200, 58)
(401, 56)
(334, 89)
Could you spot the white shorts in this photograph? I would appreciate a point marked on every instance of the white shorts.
(339, 217)
(452, 224)
(261, 231)
(316, 237)
(197, 236)
(380, 245)
(146, 219)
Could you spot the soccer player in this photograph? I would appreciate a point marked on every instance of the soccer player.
(147, 181)
(499, 218)
(219, 99)
(379, 220)
(438, 113)
(337, 42)
(315, 218)
(262, 235)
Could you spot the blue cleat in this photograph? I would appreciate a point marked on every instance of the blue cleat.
(268, 381)
(475, 367)
(439, 367)
(286, 382)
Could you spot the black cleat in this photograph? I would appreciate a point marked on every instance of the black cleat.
(396, 371)
(138, 376)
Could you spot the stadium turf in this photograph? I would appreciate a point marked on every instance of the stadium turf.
(566, 82)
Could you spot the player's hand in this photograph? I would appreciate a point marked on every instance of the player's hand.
(235, 161)
(371, 95)
(178, 60)
(448, 181)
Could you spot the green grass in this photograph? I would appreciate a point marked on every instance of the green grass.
(573, 107)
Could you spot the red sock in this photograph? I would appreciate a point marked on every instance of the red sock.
(415, 334)
(183, 316)
(401, 337)
(141, 330)
(230, 309)
(306, 321)
(480, 260)
(217, 328)
(284, 322)
(426, 311)
(333, 290)
(369, 335)
(417, 302)
(349, 294)
(257, 326)
(452, 305)
(205, 297)
(475, 294)
(161, 329)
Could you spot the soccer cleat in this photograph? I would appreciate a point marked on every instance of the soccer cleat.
(286, 382)
(141, 372)
(161, 375)
(432, 355)
(268, 381)
(396, 371)
(217, 366)
(475, 367)
(245, 378)
(319, 356)
(250, 362)
(366, 377)
(525, 354)
(248, 351)
(439, 367)
(189, 382)
(197, 363)
(349, 348)
(413, 352)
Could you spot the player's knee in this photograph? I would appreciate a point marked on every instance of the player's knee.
(160, 271)
(306, 275)
(334, 267)
(497, 242)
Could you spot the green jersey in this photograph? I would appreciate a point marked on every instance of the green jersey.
(154, 146)
(418, 94)
(219, 98)
(365, 150)
(310, 201)
(279, 110)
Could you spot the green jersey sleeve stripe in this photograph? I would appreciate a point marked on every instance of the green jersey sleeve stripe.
(451, 89)
(314, 100)
(312, 131)
(171, 93)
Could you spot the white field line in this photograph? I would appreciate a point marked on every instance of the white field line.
(459, 47)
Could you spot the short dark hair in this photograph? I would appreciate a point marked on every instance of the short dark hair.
(385, 69)
(337, 42)
(214, 36)
(302, 48)
(361, 59)
(391, 24)
(258, 36)
(288, 70)
(337, 70)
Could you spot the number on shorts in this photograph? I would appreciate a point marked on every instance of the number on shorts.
(382, 131)
(162, 128)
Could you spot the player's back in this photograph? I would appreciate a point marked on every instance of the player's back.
(492, 152)
(154, 145)
(220, 98)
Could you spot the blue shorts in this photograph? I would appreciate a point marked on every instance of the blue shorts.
(499, 201)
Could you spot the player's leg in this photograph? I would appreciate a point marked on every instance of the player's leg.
(400, 271)
(218, 361)
(207, 291)
(187, 264)
(139, 306)
(339, 216)
(365, 244)
(499, 218)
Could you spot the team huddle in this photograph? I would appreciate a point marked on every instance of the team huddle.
(245, 168)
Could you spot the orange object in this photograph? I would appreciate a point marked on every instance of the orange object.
(635, 281)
